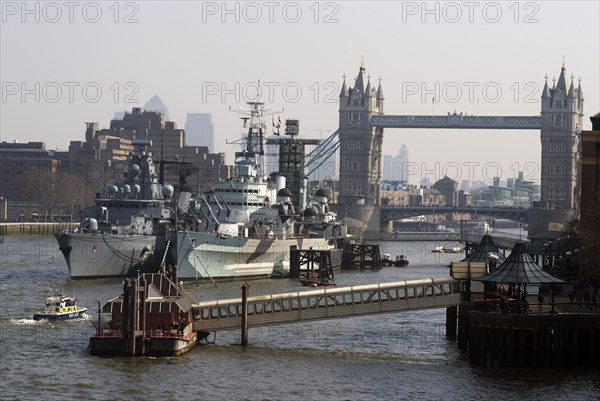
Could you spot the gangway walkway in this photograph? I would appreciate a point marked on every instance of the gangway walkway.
(328, 303)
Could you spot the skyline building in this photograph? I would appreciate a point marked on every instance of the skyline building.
(199, 130)
(394, 167)
(156, 104)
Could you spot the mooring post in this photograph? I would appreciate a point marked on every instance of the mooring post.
(451, 320)
(245, 290)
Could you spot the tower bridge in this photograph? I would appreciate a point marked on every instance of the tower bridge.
(398, 212)
(362, 121)
(458, 121)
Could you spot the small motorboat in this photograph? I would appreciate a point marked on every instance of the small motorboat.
(452, 249)
(386, 261)
(401, 261)
(60, 307)
(447, 249)
(316, 282)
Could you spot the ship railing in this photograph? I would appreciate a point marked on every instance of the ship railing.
(109, 333)
(170, 332)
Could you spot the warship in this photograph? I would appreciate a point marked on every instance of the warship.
(129, 229)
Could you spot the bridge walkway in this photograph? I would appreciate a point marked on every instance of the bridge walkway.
(328, 303)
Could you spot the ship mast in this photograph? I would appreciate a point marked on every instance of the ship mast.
(256, 130)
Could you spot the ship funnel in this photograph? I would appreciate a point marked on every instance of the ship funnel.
(279, 179)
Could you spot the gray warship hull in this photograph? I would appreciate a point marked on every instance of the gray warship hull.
(204, 255)
(93, 255)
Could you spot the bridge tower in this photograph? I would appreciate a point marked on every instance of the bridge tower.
(360, 142)
(562, 119)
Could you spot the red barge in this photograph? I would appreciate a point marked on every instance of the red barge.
(153, 317)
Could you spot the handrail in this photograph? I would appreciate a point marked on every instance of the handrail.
(327, 291)
(536, 309)
(331, 298)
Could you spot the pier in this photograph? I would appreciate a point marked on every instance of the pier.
(493, 333)
(328, 303)
(534, 336)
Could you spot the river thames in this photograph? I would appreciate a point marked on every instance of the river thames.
(382, 357)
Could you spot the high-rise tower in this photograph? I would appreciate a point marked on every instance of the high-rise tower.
(360, 143)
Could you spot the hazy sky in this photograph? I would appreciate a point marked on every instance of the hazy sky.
(64, 63)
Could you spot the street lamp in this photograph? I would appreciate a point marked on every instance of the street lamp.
(558, 253)
(576, 254)
(568, 255)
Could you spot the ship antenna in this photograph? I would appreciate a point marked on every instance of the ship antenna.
(161, 171)
(256, 130)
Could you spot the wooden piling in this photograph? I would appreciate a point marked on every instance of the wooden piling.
(311, 264)
(245, 292)
(451, 321)
(361, 256)
(521, 340)
(464, 311)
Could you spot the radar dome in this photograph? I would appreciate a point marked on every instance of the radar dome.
(136, 189)
(321, 192)
(126, 188)
(311, 211)
(93, 225)
(167, 190)
(284, 192)
(134, 169)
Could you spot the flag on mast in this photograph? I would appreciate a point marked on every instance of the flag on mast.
(275, 129)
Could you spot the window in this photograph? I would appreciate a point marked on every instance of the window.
(558, 103)
(355, 144)
(355, 166)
